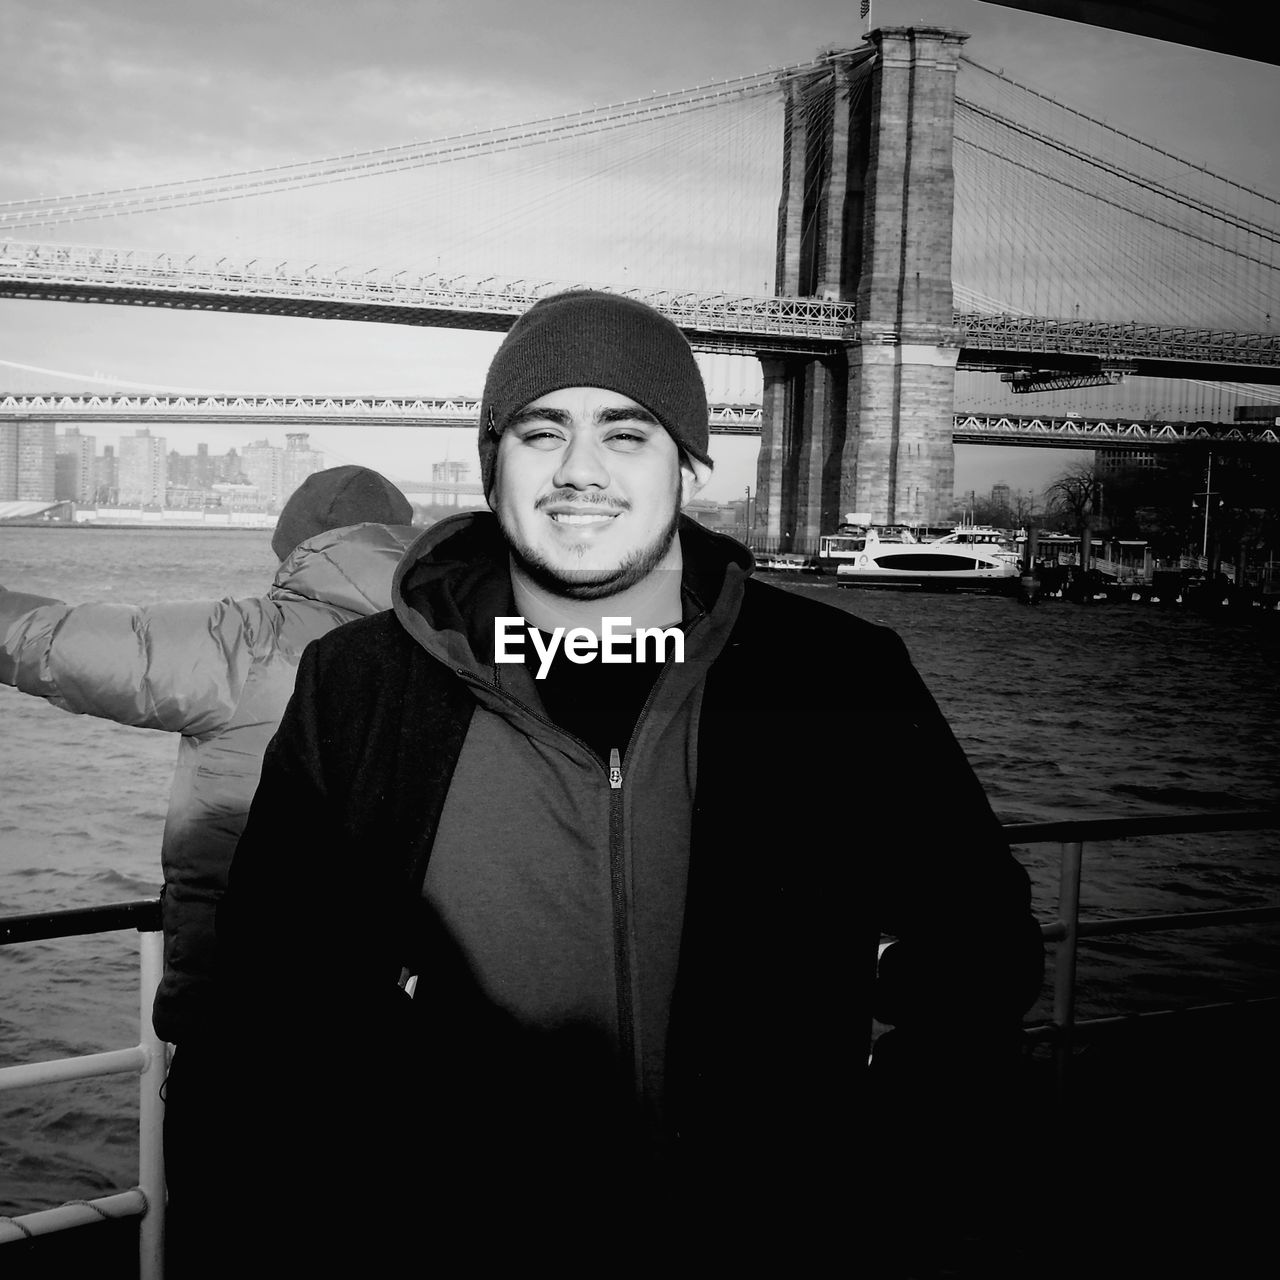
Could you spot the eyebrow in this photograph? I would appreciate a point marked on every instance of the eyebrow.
(558, 416)
(634, 413)
(602, 418)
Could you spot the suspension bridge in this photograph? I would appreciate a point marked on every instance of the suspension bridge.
(872, 226)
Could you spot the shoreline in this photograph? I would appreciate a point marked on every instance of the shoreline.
(151, 526)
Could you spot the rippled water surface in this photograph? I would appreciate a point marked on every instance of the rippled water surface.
(1064, 710)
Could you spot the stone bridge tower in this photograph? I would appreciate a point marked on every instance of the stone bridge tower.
(866, 213)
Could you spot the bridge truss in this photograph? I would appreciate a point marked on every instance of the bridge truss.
(739, 324)
(464, 412)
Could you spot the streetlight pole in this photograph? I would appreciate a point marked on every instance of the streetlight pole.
(1206, 495)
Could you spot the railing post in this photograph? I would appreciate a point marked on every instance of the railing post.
(1064, 968)
(151, 1115)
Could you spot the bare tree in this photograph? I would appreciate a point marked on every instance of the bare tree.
(1024, 508)
(1076, 495)
(1003, 512)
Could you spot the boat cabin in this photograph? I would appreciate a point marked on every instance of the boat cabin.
(850, 540)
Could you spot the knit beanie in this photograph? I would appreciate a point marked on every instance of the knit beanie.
(335, 498)
(586, 338)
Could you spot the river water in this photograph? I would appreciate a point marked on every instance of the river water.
(1065, 711)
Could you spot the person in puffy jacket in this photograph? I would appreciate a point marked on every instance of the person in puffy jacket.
(219, 673)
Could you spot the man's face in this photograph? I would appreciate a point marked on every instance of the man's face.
(587, 490)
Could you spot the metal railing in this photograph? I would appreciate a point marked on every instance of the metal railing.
(1068, 930)
(146, 1200)
(1120, 433)
(734, 418)
(1118, 339)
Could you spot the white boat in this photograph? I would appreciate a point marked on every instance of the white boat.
(972, 556)
(999, 544)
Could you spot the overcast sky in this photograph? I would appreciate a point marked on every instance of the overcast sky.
(111, 93)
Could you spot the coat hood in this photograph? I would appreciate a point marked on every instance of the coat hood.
(349, 568)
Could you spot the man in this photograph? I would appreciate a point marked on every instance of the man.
(642, 983)
(219, 674)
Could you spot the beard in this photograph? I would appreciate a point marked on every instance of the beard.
(595, 584)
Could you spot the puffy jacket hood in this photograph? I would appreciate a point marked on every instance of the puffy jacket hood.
(454, 581)
(349, 568)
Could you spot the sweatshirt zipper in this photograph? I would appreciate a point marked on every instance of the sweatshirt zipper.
(617, 863)
(621, 911)
(621, 923)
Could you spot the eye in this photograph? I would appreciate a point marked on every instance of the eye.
(540, 437)
(627, 439)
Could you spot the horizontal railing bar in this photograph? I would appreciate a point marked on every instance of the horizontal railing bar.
(1154, 924)
(143, 915)
(1078, 829)
(76, 1213)
(1050, 1031)
(1178, 920)
(56, 1070)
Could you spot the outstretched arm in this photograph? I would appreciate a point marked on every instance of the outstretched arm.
(179, 667)
(17, 608)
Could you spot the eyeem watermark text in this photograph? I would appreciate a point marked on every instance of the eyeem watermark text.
(617, 642)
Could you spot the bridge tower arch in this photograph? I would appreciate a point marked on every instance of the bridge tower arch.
(866, 214)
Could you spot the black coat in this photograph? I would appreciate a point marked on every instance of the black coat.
(811, 839)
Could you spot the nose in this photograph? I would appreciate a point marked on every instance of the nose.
(582, 465)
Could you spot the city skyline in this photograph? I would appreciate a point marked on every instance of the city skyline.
(145, 468)
(39, 464)
(384, 449)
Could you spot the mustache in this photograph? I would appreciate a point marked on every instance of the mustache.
(574, 498)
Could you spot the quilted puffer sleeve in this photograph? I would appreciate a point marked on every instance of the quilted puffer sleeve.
(14, 608)
(180, 666)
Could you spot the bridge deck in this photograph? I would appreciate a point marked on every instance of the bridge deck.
(464, 411)
(713, 322)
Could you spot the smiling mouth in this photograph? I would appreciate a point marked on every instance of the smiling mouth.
(582, 517)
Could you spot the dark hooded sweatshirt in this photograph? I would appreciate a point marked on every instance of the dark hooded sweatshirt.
(645, 1004)
(559, 868)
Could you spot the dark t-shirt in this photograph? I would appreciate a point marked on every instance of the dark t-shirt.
(598, 702)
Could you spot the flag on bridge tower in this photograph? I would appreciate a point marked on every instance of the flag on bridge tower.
(864, 12)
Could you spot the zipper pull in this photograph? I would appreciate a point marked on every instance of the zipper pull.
(615, 769)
